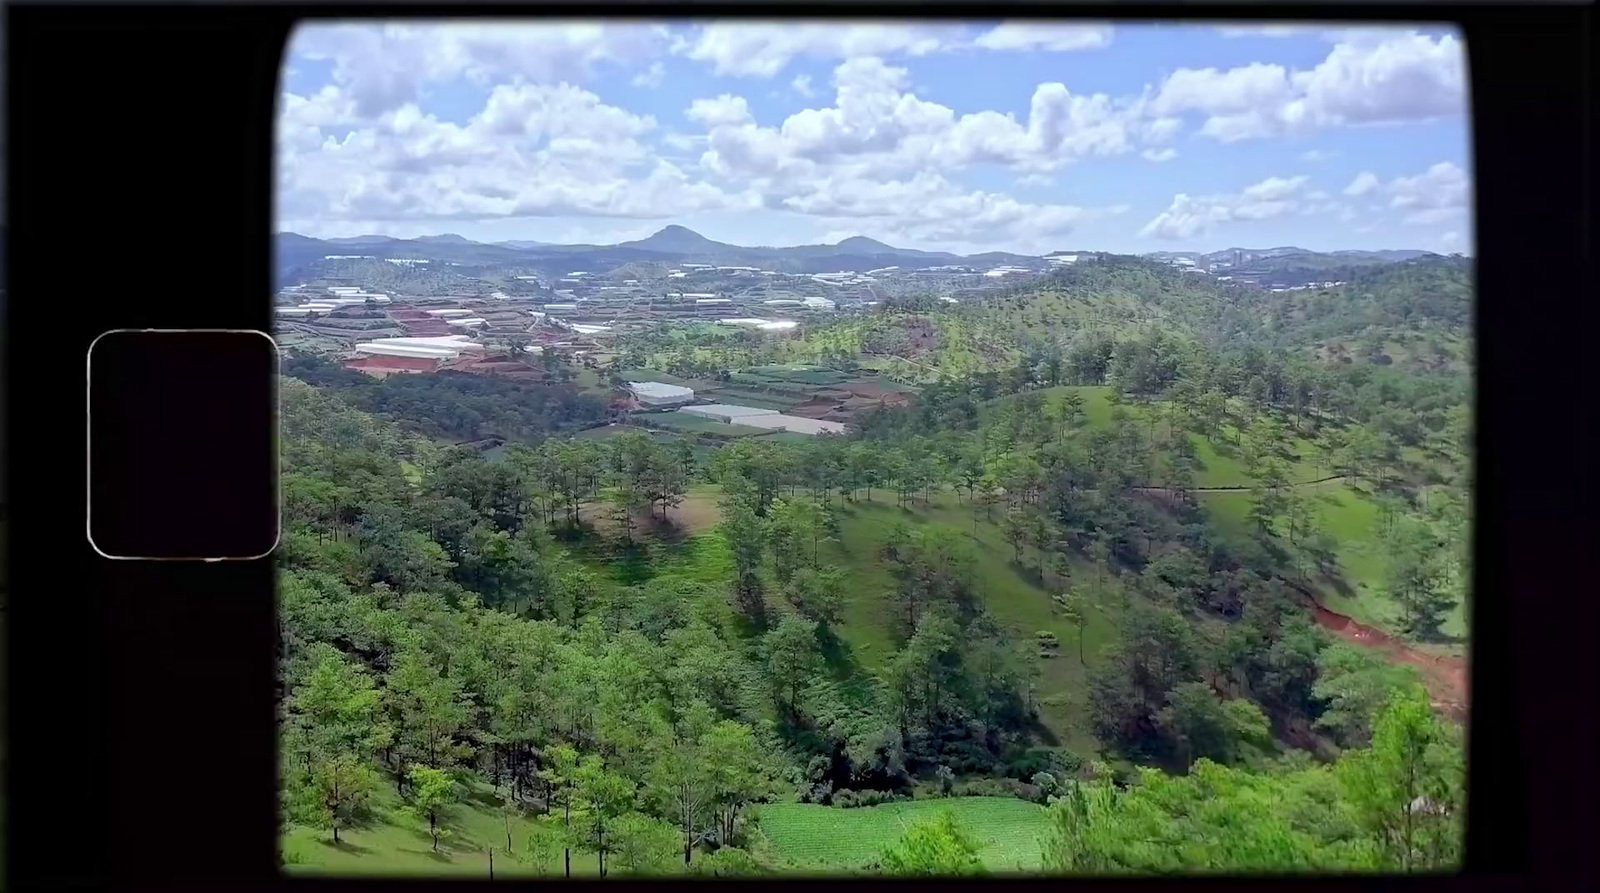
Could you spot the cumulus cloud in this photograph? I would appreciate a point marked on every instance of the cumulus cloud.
(1264, 30)
(383, 66)
(1371, 77)
(869, 155)
(878, 127)
(1451, 243)
(532, 150)
(1191, 216)
(1440, 193)
(1365, 182)
(725, 110)
(1052, 36)
(1316, 155)
(651, 77)
(763, 50)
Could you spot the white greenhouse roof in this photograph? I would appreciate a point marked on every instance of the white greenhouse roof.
(659, 391)
(406, 350)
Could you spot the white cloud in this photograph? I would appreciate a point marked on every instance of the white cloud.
(533, 150)
(878, 128)
(725, 110)
(1166, 154)
(1371, 77)
(1264, 30)
(1190, 216)
(1440, 193)
(1316, 155)
(763, 50)
(384, 66)
(1053, 36)
(1451, 243)
(1365, 182)
(651, 77)
(802, 85)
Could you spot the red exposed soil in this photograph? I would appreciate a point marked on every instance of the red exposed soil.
(1445, 676)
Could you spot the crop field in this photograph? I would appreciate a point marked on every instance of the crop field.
(650, 375)
(606, 432)
(757, 399)
(823, 838)
(774, 384)
(695, 425)
(801, 373)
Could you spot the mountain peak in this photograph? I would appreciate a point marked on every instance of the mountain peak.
(674, 238)
(445, 239)
(862, 243)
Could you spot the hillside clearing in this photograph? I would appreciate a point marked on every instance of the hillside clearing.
(811, 836)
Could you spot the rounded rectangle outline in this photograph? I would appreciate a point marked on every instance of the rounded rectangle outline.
(88, 425)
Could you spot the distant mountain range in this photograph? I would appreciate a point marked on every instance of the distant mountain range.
(1275, 258)
(673, 244)
(679, 245)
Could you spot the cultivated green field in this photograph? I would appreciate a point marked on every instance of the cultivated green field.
(824, 838)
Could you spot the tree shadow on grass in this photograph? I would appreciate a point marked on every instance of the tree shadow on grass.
(482, 798)
(345, 846)
(443, 856)
(1043, 733)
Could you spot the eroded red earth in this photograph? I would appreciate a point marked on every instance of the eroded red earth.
(1444, 675)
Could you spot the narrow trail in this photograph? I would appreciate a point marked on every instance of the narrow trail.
(1169, 491)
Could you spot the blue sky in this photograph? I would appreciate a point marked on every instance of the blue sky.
(1018, 136)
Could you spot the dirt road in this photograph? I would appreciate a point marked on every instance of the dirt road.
(1445, 676)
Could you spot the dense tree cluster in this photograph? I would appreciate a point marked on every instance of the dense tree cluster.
(458, 405)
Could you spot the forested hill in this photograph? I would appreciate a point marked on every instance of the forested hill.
(1415, 313)
(452, 626)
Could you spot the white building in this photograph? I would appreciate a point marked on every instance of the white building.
(816, 303)
(457, 343)
(454, 311)
(654, 393)
(376, 348)
(549, 307)
(470, 322)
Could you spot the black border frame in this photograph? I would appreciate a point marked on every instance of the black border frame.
(139, 690)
